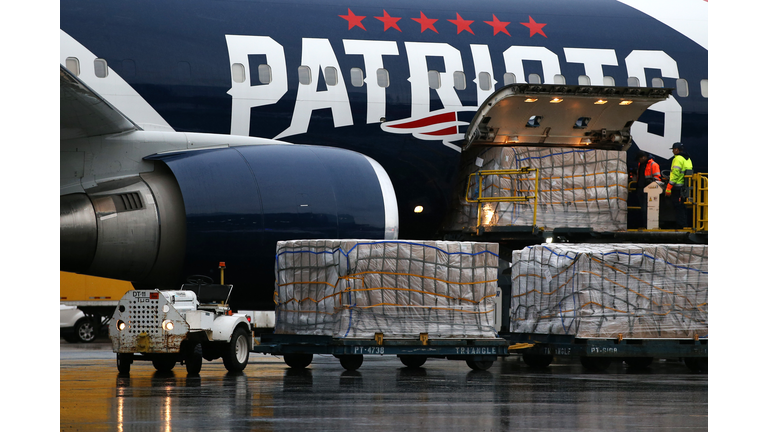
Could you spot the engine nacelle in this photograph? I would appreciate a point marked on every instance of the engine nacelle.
(229, 205)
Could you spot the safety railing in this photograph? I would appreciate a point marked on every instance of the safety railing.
(479, 199)
(698, 198)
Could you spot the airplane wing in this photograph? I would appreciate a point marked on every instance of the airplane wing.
(84, 113)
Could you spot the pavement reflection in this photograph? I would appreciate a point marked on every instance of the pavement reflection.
(381, 395)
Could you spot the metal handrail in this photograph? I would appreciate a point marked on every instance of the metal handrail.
(699, 198)
(481, 199)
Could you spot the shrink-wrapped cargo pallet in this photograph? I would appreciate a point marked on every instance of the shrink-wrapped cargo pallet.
(607, 290)
(578, 188)
(357, 288)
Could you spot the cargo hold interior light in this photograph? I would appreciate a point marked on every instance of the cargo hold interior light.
(121, 325)
(560, 115)
(418, 209)
(168, 325)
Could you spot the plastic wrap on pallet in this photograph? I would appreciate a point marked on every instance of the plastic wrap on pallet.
(606, 290)
(578, 188)
(357, 288)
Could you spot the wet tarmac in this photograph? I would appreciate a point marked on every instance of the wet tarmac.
(382, 396)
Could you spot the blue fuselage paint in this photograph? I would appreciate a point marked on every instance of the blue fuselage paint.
(176, 55)
(241, 201)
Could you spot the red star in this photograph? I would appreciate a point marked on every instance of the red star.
(426, 23)
(389, 22)
(354, 20)
(534, 27)
(461, 24)
(498, 26)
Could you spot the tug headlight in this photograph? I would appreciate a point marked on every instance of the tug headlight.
(121, 325)
(168, 325)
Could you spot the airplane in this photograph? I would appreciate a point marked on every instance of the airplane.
(197, 134)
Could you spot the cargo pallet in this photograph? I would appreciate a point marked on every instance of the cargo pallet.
(539, 350)
(298, 350)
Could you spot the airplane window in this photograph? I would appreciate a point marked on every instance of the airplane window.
(305, 75)
(331, 76)
(459, 80)
(73, 65)
(265, 74)
(485, 81)
(559, 79)
(534, 79)
(238, 72)
(382, 77)
(705, 88)
(434, 79)
(584, 80)
(509, 78)
(356, 77)
(682, 88)
(657, 82)
(609, 81)
(100, 68)
(633, 82)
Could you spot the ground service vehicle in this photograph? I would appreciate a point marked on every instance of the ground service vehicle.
(187, 326)
(94, 297)
(299, 350)
(75, 326)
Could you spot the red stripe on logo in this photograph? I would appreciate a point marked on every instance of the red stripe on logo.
(427, 121)
(447, 131)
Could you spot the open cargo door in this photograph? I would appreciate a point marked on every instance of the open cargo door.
(551, 115)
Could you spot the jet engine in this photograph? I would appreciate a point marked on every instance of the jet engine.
(200, 208)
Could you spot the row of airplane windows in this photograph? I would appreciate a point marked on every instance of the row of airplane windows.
(357, 77)
(484, 79)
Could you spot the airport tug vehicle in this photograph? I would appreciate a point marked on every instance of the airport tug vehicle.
(186, 325)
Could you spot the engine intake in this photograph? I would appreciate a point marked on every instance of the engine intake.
(228, 204)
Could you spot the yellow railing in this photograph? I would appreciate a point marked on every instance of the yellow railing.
(698, 197)
(523, 198)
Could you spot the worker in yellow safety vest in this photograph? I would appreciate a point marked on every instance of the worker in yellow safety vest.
(676, 188)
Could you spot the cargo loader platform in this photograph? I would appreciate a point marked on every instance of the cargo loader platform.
(298, 350)
(539, 350)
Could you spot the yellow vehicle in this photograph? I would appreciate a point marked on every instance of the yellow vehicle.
(96, 297)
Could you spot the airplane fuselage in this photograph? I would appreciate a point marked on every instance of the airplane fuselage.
(397, 81)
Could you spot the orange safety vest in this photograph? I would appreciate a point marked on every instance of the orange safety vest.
(652, 171)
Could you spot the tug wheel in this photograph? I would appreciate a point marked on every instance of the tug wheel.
(236, 356)
(194, 360)
(124, 363)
